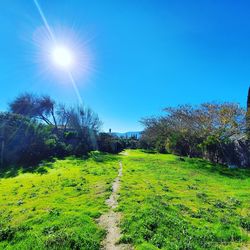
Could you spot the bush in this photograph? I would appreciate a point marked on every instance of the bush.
(214, 131)
(109, 143)
(24, 140)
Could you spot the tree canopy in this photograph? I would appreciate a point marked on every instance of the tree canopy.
(196, 131)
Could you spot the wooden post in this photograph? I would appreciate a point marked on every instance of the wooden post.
(2, 151)
(248, 114)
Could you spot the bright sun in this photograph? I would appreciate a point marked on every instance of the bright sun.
(62, 57)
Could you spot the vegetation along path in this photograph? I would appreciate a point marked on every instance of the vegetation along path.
(111, 220)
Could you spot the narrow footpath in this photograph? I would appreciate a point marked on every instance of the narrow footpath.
(111, 220)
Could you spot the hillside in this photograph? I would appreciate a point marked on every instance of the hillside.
(128, 134)
(165, 202)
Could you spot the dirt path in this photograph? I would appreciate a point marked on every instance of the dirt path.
(111, 220)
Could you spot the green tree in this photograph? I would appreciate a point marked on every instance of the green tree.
(24, 140)
(195, 131)
(84, 125)
(109, 143)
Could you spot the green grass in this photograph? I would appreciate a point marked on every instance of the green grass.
(55, 207)
(171, 203)
(166, 202)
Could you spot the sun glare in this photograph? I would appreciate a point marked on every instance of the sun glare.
(66, 52)
(62, 57)
(62, 52)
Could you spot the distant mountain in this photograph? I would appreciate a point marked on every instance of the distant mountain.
(128, 134)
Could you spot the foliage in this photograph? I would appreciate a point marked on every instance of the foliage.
(203, 131)
(109, 143)
(24, 141)
(38, 128)
(83, 124)
(35, 107)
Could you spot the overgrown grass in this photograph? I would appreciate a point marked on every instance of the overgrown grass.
(174, 203)
(55, 206)
(167, 203)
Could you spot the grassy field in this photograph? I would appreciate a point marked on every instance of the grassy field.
(167, 202)
(173, 203)
(55, 207)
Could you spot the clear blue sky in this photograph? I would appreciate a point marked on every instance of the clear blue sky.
(148, 54)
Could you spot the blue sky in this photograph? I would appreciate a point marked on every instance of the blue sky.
(147, 54)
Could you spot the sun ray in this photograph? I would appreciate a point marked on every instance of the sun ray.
(73, 82)
(44, 20)
(60, 52)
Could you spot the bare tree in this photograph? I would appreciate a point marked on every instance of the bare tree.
(80, 118)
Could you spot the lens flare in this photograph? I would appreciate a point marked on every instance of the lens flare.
(61, 52)
(62, 57)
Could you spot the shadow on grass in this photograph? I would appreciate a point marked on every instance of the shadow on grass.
(103, 157)
(149, 151)
(44, 166)
(201, 164)
(13, 171)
